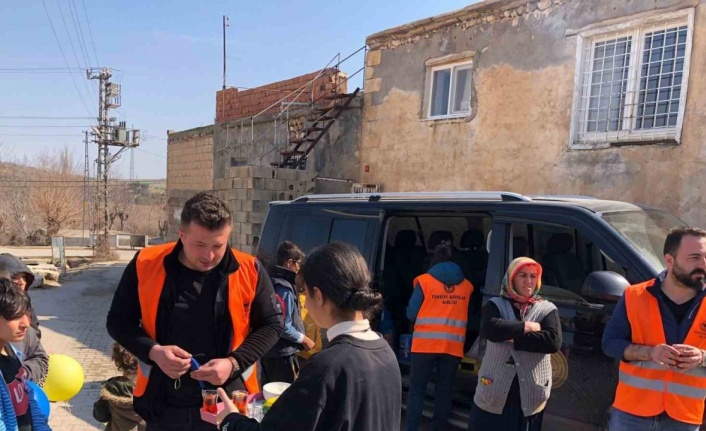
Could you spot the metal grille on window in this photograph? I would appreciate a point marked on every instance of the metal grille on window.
(632, 83)
(661, 78)
(609, 82)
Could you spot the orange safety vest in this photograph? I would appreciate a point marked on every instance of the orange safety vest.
(241, 292)
(443, 317)
(647, 389)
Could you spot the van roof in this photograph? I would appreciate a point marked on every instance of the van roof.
(587, 202)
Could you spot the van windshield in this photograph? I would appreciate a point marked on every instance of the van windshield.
(645, 230)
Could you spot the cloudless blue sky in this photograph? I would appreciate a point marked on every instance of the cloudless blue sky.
(168, 56)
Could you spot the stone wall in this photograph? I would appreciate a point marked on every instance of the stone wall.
(189, 170)
(248, 190)
(518, 134)
(258, 142)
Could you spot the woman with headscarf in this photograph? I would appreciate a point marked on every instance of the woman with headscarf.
(522, 331)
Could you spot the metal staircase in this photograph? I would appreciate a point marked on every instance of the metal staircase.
(318, 122)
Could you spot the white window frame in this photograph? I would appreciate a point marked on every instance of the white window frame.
(467, 65)
(636, 28)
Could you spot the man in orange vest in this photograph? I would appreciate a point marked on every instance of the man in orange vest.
(439, 308)
(196, 299)
(658, 332)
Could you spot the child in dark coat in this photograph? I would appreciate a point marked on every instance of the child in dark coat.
(114, 405)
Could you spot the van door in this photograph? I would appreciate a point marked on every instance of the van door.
(568, 250)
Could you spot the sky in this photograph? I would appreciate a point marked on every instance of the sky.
(167, 56)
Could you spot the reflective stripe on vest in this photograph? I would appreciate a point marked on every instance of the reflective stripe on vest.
(442, 319)
(647, 389)
(151, 276)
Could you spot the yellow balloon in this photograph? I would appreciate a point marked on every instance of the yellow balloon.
(64, 379)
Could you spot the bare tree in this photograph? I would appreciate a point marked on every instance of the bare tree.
(121, 201)
(58, 198)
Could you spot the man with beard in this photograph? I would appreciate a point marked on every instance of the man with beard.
(658, 333)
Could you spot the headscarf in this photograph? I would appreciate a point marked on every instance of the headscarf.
(507, 289)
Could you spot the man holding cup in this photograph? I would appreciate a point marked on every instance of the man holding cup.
(194, 299)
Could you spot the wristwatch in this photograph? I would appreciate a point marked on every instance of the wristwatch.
(703, 359)
(236, 367)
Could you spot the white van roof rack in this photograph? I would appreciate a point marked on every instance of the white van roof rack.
(405, 196)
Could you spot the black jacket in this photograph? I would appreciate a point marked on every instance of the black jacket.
(352, 385)
(124, 318)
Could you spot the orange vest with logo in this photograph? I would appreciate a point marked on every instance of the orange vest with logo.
(647, 389)
(443, 317)
(241, 291)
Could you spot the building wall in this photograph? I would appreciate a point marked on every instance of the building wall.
(517, 136)
(232, 103)
(248, 190)
(189, 170)
(259, 141)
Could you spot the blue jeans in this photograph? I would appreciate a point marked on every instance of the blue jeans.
(621, 421)
(422, 365)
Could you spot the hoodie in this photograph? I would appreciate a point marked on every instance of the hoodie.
(14, 265)
(114, 406)
(447, 273)
(36, 360)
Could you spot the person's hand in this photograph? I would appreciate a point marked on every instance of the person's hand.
(215, 371)
(532, 327)
(172, 360)
(308, 343)
(689, 356)
(228, 407)
(664, 355)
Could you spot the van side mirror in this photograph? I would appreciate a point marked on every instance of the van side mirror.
(606, 285)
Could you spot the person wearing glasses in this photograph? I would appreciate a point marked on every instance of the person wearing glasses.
(281, 364)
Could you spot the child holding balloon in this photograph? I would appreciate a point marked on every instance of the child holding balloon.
(115, 403)
(19, 411)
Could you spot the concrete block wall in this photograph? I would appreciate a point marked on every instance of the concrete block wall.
(189, 170)
(232, 104)
(248, 190)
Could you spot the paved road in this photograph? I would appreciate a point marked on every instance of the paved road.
(45, 252)
(72, 318)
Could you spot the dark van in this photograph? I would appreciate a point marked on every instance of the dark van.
(588, 248)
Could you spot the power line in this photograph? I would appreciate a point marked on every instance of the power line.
(43, 126)
(38, 134)
(13, 117)
(64, 56)
(25, 69)
(71, 42)
(79, 30)
(114, 182)
(90, 32)
(154, 154)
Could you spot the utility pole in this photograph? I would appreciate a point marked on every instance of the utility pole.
(226, 23)
(86, 179)
(132, 164)
(107, 134)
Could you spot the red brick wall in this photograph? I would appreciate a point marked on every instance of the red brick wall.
(233, 104)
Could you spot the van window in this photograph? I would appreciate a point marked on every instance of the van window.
(307, 231)
(353, 232)
(566, 255)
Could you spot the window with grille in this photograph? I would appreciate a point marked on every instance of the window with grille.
(632, 81)
(450, 91)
